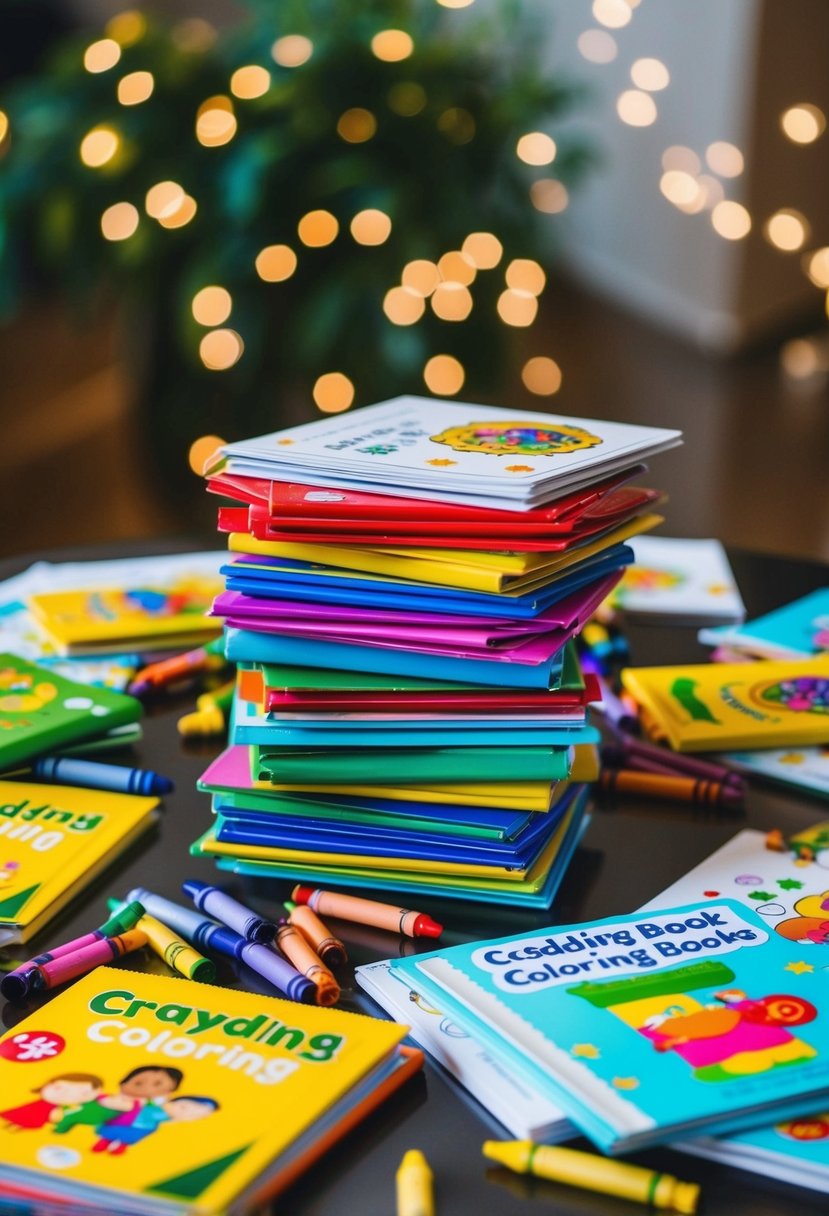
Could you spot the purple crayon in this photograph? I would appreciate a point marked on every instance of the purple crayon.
(79, 962)
(229, 911)
(634, 749)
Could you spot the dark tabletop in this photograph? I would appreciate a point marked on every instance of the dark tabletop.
(630, 852)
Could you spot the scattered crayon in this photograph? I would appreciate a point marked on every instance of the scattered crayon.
(79, 962)
(168, 671)
(367, 912)
(210, 714)
(176, 953)
(184, 921)
(680, 789)
(614, 708)
(414, 1185)
(594, 1173)
(92, 774)
(330, 949)
(16, 986)
(302, 956)
(630, 750)
(775, 842)
(261, 959)
(229, 911)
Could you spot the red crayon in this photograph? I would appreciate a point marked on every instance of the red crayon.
(367, 912)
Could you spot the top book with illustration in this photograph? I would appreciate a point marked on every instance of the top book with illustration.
(421, 447)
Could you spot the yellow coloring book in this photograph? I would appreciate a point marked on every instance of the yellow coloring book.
(137, 1093)
(54, 839)
(719, 706)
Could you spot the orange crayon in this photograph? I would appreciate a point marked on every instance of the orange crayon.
(302, 956)
(680, 789)
(330, 949)
(367, 912)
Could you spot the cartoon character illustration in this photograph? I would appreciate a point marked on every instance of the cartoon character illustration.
(19, 694)
(151, 1083)
(116, 1135)
(516, 438)
(811, 923)
(56, 1098)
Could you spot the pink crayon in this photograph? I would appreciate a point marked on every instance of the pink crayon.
(68, 966)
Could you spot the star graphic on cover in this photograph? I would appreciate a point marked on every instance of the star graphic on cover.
(283, 443)
(761, 896)
(626, 1082)
(586, 1050)
(441, 464)
(792, 758)
(520, 468)
(799, 968)
(789, 884)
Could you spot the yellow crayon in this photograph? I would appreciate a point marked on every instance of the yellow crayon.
(210, 716)
(594, 1173)
(414, 1185)
(176, 953)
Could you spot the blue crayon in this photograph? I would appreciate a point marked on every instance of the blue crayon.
(185, 921)
(229, 911)
(261, 959)
(90, 773)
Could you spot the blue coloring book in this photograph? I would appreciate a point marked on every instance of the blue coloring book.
(797, 630)
(648, 1027)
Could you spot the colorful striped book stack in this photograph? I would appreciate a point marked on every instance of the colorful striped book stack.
(403, 589)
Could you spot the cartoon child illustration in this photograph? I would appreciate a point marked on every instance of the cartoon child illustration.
(19, 694)
(151, 1083)
(811, 923)
(115, 1136)
(56, 1098)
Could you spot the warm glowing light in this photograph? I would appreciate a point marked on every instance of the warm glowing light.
(635, 108)
(333, 393)
(455, 3)
(212, 305)
(802, 358)
(787, 230)
(597, 46)
(292, 51)
(403, 305)
(679, 188)
(194, 35)
(102, 55)
(517, 307)
(725, 159)
(99, 146)
(683, 159)
(215, 122)
(613, 13)
(370, 227)
(4, 125)
(164, 200)
(250, 81)
(202, 451)
(220, 349)
(407, 98)
(318, 228)
(392, 45)
(181, 216)
(541, 375)
(731, 220)
(420, 276)
(536, 148)
(451, 302)
(549, 195)
(444, 375)
(135, 87)
(119, 221)
(711, 190)
(817, 266)
(456, 267)
(483, 249)
(356, 125)
(650, 75)
(523, 274)
(127, 28)
(457, 125)
(275, 263)
(804, 123)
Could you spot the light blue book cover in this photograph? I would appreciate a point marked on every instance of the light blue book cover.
(245, 645)
(647, 1027)
(797, 630)
(805, 767)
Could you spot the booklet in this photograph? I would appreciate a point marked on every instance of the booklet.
(648, 1027)
(678, 581)
(794, 630)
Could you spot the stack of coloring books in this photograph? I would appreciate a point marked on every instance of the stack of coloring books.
(401, 599)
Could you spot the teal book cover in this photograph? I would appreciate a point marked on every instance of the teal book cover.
(795, 630)
(405, 765)
(648, 1027)
(41, 711)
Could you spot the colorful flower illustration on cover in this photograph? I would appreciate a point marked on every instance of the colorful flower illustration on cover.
(801, 694)
(646, 578)
(811, 924)
(516, 438)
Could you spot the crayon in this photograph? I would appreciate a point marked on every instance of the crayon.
(330, 949)
(176, 953)
(414, 1185)
(302, 956)
(79, 962)
(184, 921)
(367, 912)
(614, 709)
(16, 986)
(693, 766)
(71, 770)
(261, 959)
(659, 785)
(168, 671)
(210, 715)
(594, 1173)
(229, 911)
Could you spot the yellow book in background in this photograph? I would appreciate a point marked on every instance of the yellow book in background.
(54, 839)
(160, 1094)
(134, 618)
(719, 706)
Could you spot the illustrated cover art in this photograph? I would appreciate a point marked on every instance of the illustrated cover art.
(797, 629)
(687, 581)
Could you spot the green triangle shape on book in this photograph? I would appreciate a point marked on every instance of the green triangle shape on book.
(191, 1184)
(11, 906)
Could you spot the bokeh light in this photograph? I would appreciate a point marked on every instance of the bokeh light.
(318, 228)
(135, 87)
(99, 146)
(370, 227)
(444, 375)
(517, 308)
(523, 274)
(403, 305)
(679, 187)
(549, 195)
(731, 220)
(163, 199)
(392, 45)
(683, 159)
(126, 28)
(119, 221)
(292, 51)
(215, 122)
(597, 46)
(275, 263)
(202, 452)
(816, 265)
(356, 125)
(724, 159)
(536, 148)
(787, 230)
(803, 124)
(650, 75)
(483, 249)
(333, 393)
(212, 305)
(457, 125)
(220, 349)
(613, 13)
(420, 276)
(541, 375)
(250, 81)
(102, 55)
(181, 216)
(451, 302)
(407, 98)
(636, 108)
(456, 267)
